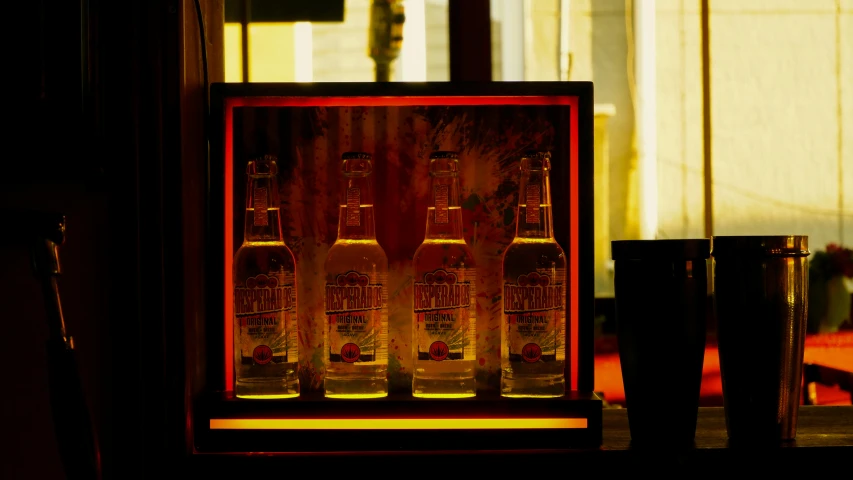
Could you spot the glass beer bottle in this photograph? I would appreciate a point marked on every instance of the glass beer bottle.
(444, 309)
(533, 343)
(356, 292)
(265, 332)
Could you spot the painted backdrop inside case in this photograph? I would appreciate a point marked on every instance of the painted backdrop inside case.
(309, 141)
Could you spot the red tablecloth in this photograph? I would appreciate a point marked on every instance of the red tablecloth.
(829, 349)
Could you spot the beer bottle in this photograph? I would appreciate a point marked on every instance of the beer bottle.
(444, 313)
(265, 333)
(356, 292)
(533, 343)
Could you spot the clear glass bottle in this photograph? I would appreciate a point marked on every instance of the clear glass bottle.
(533, 328)
(444, 320)
(265, 329)
(356, 292)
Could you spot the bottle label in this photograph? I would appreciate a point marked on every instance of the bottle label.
(259, 203)
(533, 202)
(353, 213)
(441, 204)
(353, 311)
(442, 301)
(535, 317)
(265, 309)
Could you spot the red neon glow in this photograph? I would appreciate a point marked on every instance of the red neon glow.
(574, 237)
(229, 248)
(303, 101)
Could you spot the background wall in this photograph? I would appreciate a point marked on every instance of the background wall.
(782, 114)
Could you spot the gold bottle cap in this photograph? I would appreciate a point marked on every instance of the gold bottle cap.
(356, 156)
(449, 154)
(263, 165)
(356, 163)
(536, 160)
(536, 154)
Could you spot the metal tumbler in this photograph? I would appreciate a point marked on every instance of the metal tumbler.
(661, 289)
(761, 292)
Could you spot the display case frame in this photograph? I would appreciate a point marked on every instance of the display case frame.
(562, 110)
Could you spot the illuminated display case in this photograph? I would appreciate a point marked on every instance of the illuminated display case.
(307, 127)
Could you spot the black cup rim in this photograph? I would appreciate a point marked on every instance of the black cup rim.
(670, 248)
(764, 245)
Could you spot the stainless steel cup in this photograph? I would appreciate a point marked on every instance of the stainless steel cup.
(761, 293)
(661, 289)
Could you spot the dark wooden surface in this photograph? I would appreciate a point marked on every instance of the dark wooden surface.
(824, 443)
(817, 426)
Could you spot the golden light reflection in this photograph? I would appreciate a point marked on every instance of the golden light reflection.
(233, 52)
(272, 52)
(791, 279)
(395, 423)
(278, 52)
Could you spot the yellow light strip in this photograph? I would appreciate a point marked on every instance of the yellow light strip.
(395, 423)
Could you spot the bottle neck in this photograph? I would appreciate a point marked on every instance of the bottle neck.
(263, 220)
(444, 214)
(356, 219)
(534, 219)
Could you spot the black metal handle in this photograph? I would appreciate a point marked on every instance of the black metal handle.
(75, 435)
(43, 233)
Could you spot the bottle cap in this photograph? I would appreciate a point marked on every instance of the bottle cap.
(356, 163)
(444, 154)
(356, 156)
(536, 154)
(263, 165)
(536, 160)
(664, 249)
